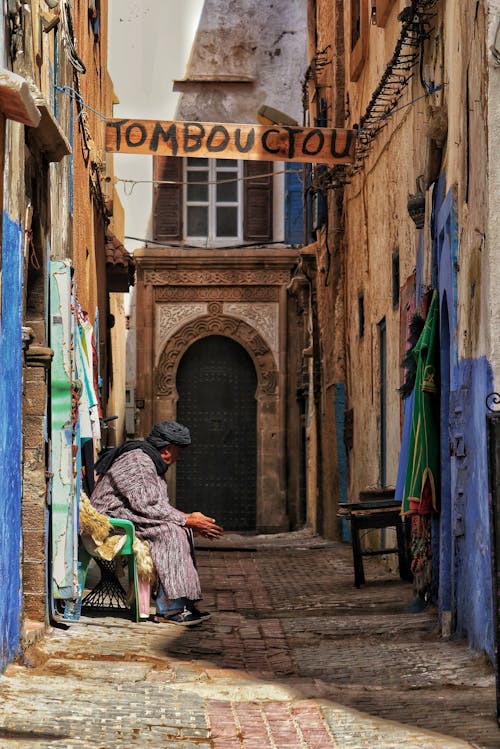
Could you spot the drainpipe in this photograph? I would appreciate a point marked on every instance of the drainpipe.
(312, 351)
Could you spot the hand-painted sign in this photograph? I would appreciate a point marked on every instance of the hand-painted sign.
(229, 141)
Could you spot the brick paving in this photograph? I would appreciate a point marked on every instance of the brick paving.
(294, 657)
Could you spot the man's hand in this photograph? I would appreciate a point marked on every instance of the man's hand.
(206, 527)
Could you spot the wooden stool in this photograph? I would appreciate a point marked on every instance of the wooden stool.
(377, 513)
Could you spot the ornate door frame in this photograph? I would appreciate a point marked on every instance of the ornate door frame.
(186, 295)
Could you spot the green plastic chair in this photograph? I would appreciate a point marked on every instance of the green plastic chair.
(109, 592)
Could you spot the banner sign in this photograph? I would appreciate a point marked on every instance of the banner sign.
(230, 141)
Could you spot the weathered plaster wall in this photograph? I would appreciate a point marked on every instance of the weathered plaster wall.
(377, 223)
(89, 160)
(467, 167)
(378, 226)
(263, 42)
(491, 267)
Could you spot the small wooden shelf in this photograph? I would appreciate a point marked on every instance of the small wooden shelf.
(180, 84)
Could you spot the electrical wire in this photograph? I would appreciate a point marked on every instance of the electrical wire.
(73, 93)
(69, 39)
(181, 183)
(182, 246)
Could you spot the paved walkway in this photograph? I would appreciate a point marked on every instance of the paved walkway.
(294, 657)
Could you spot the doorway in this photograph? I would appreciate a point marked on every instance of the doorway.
(216, 384)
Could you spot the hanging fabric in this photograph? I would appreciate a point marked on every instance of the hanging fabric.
(421, 485)
(423, 454)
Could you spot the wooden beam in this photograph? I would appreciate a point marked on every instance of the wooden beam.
(230, 141)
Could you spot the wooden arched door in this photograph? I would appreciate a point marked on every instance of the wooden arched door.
(217, 475)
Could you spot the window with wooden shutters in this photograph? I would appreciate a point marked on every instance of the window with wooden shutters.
(258, 209)
(212, 200)
(211, 203)
(167, 199)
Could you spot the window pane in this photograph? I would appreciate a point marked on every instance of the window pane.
(227, 192)
(226, 162)
(197, 192)
(192, 161)
(197, 221)
(227, 221)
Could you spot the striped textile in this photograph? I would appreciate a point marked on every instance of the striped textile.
(131, 489)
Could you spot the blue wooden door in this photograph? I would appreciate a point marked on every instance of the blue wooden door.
(445, 254)
(10, 439)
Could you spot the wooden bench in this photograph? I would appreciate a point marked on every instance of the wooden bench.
(371, 512)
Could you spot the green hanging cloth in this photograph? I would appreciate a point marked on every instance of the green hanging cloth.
(422, 472)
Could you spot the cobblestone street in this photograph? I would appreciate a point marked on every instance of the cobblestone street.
(294, 656)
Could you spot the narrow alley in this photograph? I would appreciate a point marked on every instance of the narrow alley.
(249, 274)
(294, 656)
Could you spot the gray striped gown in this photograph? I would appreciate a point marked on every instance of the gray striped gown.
(132, 490)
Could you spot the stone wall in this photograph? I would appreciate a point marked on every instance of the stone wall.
(35, 508)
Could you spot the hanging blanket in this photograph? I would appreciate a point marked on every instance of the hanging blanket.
(422, 471)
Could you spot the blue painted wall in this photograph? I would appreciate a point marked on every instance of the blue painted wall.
(10, 440)
(463, 558)
(472, 591)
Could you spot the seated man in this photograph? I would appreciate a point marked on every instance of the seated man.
(131, 485)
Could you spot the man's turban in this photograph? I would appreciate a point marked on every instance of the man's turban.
(169, 433)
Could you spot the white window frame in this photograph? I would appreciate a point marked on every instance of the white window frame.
(213, 169)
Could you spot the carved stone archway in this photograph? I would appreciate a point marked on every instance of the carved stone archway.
(271, 507)
(216, 323)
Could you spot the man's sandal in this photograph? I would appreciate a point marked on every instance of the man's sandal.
(204, 615)
(181, 619)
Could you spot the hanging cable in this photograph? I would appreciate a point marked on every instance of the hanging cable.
(80, 101)
(181, 183)
(183, 246)
(69, 42)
